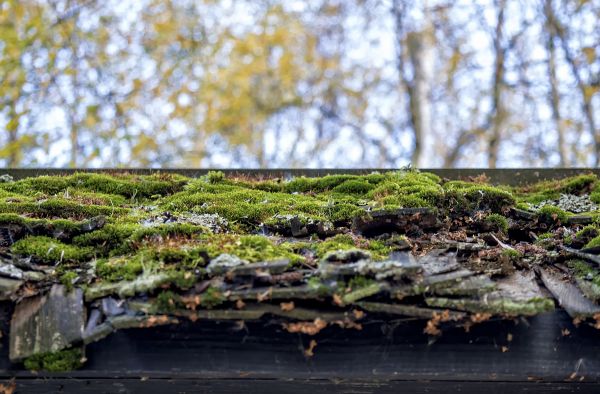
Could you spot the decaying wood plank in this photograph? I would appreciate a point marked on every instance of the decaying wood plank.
(568, 295)
(47, 323)
(8, 287)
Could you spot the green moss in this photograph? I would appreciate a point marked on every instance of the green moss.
(50, 185)
(67, 279)
(303, 184)
(584, 271)
(316, 285)
(578, 184)
(256, 248)
(13, 218)
(215, 176)
(497, 222)
(551, 214)
(360, 287)
(116, 270)
(125, 267)
(129, 186)
(211, 298)
(354, 186)
(482, 197)
(109, 238)
(243, 205)
(594, 242)
(551, 190)
(343, 212)
(42, 226)
(62, 361)
(94, 198)
(409, 189)
(59, 208)
(168, 301)
(378, 249)
(182, 279)
(359, 282)
(50, 251)
(587, 232)
(512, 253)
(545, 236)
(166, 231)
(338, 242)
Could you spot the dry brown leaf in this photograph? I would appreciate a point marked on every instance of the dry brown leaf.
(311, 347)
(265, 295)
(358, 314)
(309, 328)
(480, 317)
(338, 300)
(8, 388)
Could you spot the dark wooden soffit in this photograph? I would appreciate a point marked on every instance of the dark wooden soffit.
(538, 355)
(508, 176)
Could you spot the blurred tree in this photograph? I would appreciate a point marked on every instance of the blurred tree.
(291, 83)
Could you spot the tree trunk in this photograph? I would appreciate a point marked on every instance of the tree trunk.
(420, 48)
(497, 112)
(74, 145)
(586, 104)
(554, 94)
(416, 48)
(13, 157)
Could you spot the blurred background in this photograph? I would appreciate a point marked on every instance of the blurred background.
(284, 83)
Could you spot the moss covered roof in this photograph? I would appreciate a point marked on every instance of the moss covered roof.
(123, 251)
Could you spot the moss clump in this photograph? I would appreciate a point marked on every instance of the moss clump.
(168, 301)
(512, 253)
(215, 176)
(61, 361)
(594, 242)
(583, 270)
(50, 251)
(551, 190)
(304, 185)
(109, 238)
(354, 186)
(551, 214)
(211, 298)
(316, 285)
(123, 267)
(478, 197)
(587, 232)
(68, 278)
(343, 213)
(358, 282)
(253, 248)
(358, 288)
(59, 208)
(408, 190)
(497, 222)
(545, 236)
(595, 197)
(130, 186)
(166, 231)
(243, 206)
(61, 229)
(377, 249)
(578, 184)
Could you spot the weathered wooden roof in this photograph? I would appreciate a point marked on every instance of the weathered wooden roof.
(86, 255)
